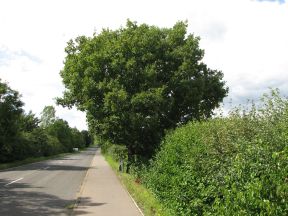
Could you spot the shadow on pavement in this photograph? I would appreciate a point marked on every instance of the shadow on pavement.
(83, 203)
(21, 199)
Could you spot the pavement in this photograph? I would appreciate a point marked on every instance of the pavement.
(102, 194)
(49, 187)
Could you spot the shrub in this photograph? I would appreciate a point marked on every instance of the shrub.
(52, 147)
(36, 144)
(235, 165)
(118, 152)
(102, 143)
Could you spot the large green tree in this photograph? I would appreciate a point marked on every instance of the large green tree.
(10, 116)
(60, 129)
(137, 81)
(29, 122)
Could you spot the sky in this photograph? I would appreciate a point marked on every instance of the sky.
(246, 39)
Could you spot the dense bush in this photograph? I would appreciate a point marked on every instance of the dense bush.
(68, 137)
(102, 143)
(235, 165)
(87, 138)
(116, 151)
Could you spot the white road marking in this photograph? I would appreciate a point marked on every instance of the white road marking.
(13, 181)
(45, 168)
(135, 204)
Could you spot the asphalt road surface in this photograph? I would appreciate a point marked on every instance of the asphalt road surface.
(45, 188)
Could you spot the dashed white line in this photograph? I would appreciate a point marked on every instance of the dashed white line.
(13, 181)
(45, 168)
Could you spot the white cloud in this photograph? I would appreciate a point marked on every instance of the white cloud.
(252, 54)
(245, 39)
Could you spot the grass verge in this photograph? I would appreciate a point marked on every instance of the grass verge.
(149, 205)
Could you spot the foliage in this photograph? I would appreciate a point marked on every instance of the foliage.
(22, 138)
(87, 138)
(118, 152)
(77, 138)
(48, 116)
(61, 130)
(10, 114)
(235, 165)
(28, 122)
(138, 81)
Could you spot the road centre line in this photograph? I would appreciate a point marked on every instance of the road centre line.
(13, 181)
(25, 175)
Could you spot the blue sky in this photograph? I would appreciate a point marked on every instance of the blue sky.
(245, 39)
(279, 1)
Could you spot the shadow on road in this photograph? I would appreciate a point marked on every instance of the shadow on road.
(22, 199)
(66, 168)
(48, 167)
(55, 164)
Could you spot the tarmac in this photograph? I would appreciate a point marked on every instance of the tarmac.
(102, 194)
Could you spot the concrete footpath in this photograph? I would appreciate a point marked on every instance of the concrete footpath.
(102, 194)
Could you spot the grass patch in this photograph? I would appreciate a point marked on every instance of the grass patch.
(144, 198)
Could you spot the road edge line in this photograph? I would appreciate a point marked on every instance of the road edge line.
(139, 209)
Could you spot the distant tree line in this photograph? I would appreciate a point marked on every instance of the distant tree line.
(23, 135)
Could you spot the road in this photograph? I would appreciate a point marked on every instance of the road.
(45, 188)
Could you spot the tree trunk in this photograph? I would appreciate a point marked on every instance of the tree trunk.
(130, 159)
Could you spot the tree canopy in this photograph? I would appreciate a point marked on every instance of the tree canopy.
(48, 116)
(22, 137)
(10, 114)
(139, 80)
